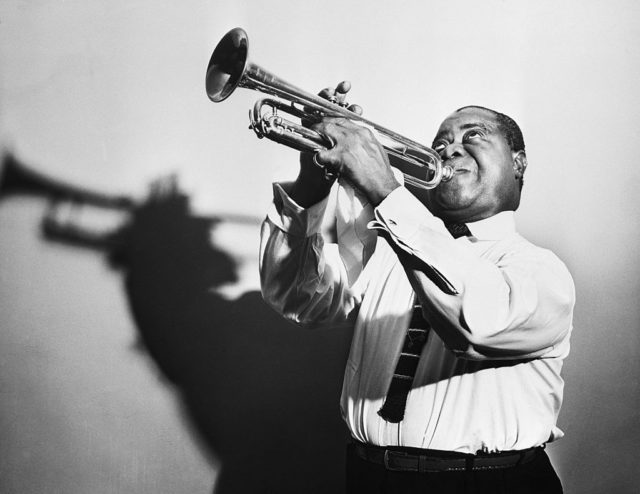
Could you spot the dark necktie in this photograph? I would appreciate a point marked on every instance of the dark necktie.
(458, 229)
(394, 404)
(396, 401)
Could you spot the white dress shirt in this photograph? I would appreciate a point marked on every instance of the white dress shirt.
(500, 310)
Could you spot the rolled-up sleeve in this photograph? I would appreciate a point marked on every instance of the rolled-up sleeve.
(518, 305)
(303, 277)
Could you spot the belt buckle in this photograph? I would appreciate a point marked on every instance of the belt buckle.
(389, 466)
(386, 460)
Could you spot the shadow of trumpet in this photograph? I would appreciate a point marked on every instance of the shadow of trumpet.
(261, 395)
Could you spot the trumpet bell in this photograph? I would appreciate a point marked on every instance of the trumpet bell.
(227, 65)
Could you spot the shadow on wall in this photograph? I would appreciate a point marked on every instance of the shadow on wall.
(261, 394)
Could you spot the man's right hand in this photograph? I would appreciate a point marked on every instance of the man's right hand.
(312, 184)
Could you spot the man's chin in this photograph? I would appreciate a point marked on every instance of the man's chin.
(449, 201)
(450, 196)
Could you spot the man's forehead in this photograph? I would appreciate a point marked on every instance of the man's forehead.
(467, 116)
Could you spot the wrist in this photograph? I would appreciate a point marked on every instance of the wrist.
(309, 190)
(378, 194)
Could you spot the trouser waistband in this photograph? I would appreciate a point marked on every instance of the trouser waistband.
(428, 460)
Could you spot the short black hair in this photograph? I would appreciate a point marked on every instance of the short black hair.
(507, 126)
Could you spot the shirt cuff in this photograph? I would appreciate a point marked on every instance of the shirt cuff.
(412, 228)
(402, 214)
(292, 218)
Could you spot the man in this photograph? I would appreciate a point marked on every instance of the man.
(462, 393)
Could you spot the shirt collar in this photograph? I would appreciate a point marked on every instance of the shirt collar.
(495, 227)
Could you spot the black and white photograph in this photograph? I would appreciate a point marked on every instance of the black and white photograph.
(336, 247)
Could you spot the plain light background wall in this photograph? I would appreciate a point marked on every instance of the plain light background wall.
(110, 95)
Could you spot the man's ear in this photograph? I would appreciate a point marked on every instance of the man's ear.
(519, 164)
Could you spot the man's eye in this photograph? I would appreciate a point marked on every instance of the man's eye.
(473, 134)
(439, 146)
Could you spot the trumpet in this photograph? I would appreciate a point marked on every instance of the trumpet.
(230, 68)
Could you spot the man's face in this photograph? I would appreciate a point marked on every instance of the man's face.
(485, 179)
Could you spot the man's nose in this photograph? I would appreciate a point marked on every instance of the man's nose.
(453, 150)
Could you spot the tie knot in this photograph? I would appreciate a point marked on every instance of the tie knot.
(458, 230)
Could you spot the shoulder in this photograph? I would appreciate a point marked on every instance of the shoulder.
(541, 264)
(521, 246)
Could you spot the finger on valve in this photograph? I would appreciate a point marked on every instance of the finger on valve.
(326, 93)
(357, 109)
(341, 92)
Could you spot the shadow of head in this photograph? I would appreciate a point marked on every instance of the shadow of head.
(261, 394)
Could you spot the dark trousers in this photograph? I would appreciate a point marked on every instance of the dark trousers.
(534, 477)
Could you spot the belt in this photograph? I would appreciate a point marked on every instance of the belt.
(425, 460)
